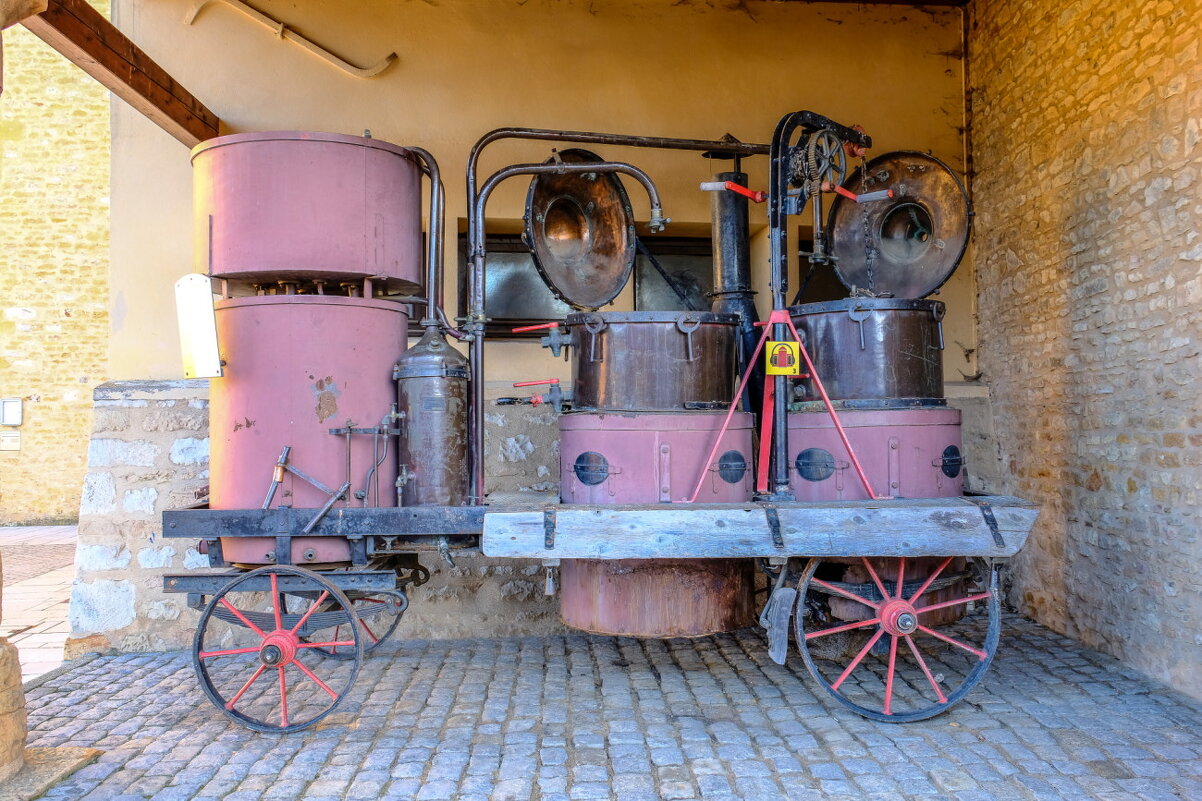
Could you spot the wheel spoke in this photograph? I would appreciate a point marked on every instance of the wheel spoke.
(859, 657)
(861, 624)
(925, 670)
(324, 594)
(956, 602)
(228, 652)
(275, 601)
(901, 575)
(889, 676)
(370, 633)
(880, 585)
(844, 593)
(332, 644)
(940, 636)
(931, 579)
(230, 703)
(283, 699)
(320, 683)
(245, 620)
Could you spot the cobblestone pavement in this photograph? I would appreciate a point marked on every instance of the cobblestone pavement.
(581, 717)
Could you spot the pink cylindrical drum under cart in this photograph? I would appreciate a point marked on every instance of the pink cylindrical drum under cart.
(655, 458)
(906, 453)
(316, 206)
(297, 366)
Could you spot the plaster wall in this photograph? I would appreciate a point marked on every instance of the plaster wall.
(1087, 134)
(54, 241)
(468, 66)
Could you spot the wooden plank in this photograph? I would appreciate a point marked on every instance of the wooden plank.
(83, 35)
(941, 527)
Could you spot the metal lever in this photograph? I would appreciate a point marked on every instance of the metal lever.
(730, 186)
(555, 339)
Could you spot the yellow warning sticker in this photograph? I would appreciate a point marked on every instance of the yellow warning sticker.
(782, 358)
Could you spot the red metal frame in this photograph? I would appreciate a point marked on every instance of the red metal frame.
(779, 317)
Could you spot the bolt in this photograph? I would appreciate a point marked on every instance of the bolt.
(907, 622)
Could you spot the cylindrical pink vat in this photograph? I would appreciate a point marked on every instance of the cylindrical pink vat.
(906, 453)
(655, 458)
(293, 204)
(295, 367)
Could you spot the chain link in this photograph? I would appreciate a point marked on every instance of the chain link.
(869, 250)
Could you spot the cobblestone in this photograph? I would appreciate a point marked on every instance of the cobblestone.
(1027, 732)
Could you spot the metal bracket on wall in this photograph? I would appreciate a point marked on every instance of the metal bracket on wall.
(281, 30)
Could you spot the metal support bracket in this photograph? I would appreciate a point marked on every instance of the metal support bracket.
(549, 528)
(990, 520)
(773, 518)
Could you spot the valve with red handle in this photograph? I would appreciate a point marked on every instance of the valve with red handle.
(556, 340)
(738, 189)
(555, 397)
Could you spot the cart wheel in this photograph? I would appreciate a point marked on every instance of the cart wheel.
(379, 614)
(868, 645)
(256, 658)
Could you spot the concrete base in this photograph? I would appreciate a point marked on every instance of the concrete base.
(45, 767)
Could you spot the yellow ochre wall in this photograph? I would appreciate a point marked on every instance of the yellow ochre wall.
(693, 69)
(54, 240)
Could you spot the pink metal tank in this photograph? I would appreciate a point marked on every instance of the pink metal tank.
(307, 205)
(906, 453)
(655, 458)
(297, 366)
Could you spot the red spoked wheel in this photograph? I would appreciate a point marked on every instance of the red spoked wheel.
(255, 654)
(892, 648)
(379, 615)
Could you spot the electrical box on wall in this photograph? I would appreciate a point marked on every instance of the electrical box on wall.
(10, 411)
(10, 440)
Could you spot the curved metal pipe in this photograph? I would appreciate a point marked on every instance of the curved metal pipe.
(476, 319)
(434, 243)
(736, 149)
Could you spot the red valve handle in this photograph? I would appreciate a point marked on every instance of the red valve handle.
(536, 383)
(738, 189)
(522, 328)
(750, 194)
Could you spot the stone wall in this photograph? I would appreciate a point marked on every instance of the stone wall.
(1086, 131)
(149, 451)
(54, 270)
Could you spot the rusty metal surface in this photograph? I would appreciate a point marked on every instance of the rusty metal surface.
(917, 237)
(651, 361)
(580, 230)
(433, 449)
(911, 453)
(873, 347)
(657, 598)
(307, 205)
(296, 367)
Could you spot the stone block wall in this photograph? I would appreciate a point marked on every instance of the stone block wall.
(149, 451)
(54, 270)
(1087, 151)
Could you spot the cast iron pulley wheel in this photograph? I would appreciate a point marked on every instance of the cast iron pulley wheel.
(256, 655)
(379, 614)
(895, 641)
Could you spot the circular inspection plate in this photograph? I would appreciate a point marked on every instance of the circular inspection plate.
(918, 236)
(580, 230)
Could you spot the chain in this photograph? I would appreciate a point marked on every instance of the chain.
(869, 250)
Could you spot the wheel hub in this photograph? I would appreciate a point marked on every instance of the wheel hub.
(899, 618)
(278, 649)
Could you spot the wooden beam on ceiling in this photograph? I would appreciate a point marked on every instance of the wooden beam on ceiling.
(87, 39)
